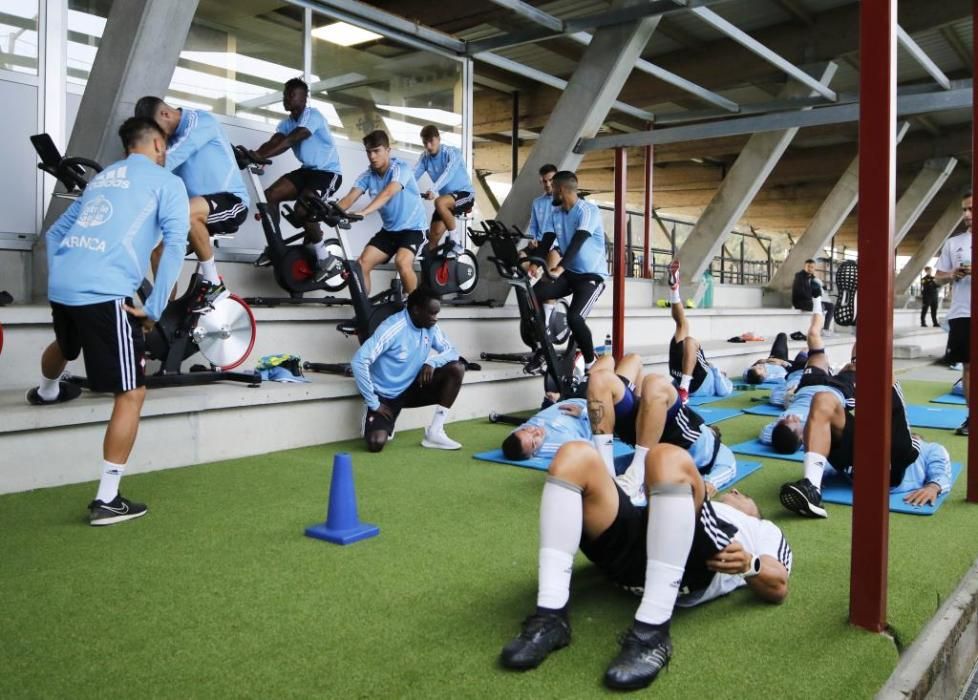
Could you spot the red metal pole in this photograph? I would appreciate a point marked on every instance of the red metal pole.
(874, 330)
(647, 218)
(973, 382)
(621, 226)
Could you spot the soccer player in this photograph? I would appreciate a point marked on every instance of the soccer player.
(98, 252)
(542, 216)
(682, 549)
(451, 188)
(394, 369)
(583, 265)
(690, 371)
(776, 365)
(199, 153)
(829, 434)
(305, 132)
(394, 193)
(954, 266)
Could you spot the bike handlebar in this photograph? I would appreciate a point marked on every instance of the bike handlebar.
(328, 212)
(247, 158)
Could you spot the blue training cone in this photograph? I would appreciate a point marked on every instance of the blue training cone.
(342, 524)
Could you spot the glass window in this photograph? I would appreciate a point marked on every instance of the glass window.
(362, 81)
(235, 61)
(86, 22)
(18, 36)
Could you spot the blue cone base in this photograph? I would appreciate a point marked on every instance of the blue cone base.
(354, 534)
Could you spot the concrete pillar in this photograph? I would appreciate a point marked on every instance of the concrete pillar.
(929, 247)
(738, 189)
(922, 190)
(827, 221)
(137, 54)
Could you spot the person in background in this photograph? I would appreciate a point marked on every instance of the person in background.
(928, 298)
(806, 289)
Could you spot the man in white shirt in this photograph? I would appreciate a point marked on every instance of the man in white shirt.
(954, 266)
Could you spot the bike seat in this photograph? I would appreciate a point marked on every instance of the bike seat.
(347, 328)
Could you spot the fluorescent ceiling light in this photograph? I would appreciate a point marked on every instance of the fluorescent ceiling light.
(344, 34)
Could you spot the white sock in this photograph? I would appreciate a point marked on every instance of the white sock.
(49, 389)
(438, 420)
(632, 482)
(318, 249)
(672, 523)
(603, 443)
(674, 297)
(548, 309)
(685, 381)
(814, 468)
(208, 268)
(589, 365)
(108, 487)
(561, 523)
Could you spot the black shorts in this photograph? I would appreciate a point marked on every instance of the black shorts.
(676, 365)
(682, 429)
(227, 212)
(389, 242)
(323, 184)
(111, 341)
(412, 397)
(620, 552)
(958, 340)
(464, 201)
(845, 381)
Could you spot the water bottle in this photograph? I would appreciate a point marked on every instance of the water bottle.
(607, 344)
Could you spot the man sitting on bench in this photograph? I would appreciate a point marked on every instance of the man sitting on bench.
(200, 154)
(691, 373)
(829, 435)
(394, 369)
(786, 433)
(683, 549)
(451, 188)
(776, 365)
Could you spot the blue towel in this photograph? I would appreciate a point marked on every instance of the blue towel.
(702, 400)
(764, 409)
(955, 399)
(759, 449)
(713, 415)
(836, 488)
(936, 417)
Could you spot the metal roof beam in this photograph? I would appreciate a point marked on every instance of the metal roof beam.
(524, 9)
(756, 47)
(921, 57)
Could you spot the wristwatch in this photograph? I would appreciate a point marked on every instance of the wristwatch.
(755, 567)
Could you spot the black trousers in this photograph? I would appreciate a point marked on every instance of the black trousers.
(932, 305)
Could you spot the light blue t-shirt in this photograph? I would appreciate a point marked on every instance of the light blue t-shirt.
(404, 211)
(560, 427)
(318, 151)
(773, 372)
(541, 217)
(800, 406)
(780, 392)
(99, 249)
(933, 464)
(583, 216)
(446, 170)
(387, 363)
(200, 154)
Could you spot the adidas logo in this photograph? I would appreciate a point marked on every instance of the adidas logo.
(117, 177)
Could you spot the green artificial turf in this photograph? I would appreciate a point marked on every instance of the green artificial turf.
(217, 593)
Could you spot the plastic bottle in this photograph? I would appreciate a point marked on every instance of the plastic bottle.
(607, 344)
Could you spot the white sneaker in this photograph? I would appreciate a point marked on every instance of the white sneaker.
(439, 441)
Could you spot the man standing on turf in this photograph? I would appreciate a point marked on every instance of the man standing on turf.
(583, 264)
(98, 253)
(682, 549)
(451, 188)
(199, 153)
(304, 131)
(954, 266)
(395, 369)
(394, 193)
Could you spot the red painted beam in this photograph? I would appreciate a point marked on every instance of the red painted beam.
(973, 381)
(874, 330)
(618, 264)
(647, 218)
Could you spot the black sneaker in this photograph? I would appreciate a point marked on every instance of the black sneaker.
(542, 633)
(209, 295)
(962, 429)
(66, 392)
(326, 268)
(537, 364)
(263, 260)
(118, 510)
(803, 498)
(641, 658)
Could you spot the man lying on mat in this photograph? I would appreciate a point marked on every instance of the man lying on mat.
(922, 468)
(785, 434)
(776, 365)
(682, 549)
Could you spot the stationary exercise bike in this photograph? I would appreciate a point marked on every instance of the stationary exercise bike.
(557, 366)
(224, 335)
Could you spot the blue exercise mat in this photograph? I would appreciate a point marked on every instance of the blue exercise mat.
(955, 399)
(759, 449)
(836, 488)
(764, 409)
(713, 414)
(703, 400)
(936, 417)
(623, 457)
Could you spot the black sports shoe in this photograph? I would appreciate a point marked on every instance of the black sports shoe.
(642, 656)
(803, 498)
(118, 510)
(263, 260)
(209, 295)
(962, 429)
(66, 392)
(537, 364)
(542, 633)
(327, 268)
